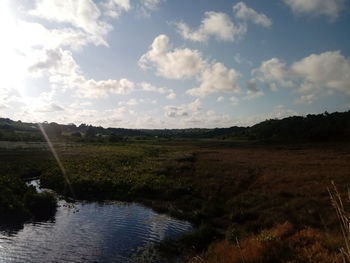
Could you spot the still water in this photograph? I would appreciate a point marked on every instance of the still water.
(91, 232)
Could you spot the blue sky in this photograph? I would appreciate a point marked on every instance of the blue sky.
(173, 64)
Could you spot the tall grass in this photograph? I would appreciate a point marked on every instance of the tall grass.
(340, 207)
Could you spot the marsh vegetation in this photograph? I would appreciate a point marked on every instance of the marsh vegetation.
(256, 201)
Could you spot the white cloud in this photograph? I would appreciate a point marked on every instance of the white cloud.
(176, 64)
(305, 99)
(113, 8)
(241, 60)
(314, 75)
(32, 35)
(130, 102)
(185, 63)
(145, 7)
(9, 94)
(330, 70)
(329, 8)
(233, 100)
(214, 24)
(216, 78)
(162, 90)
(82, 14)
(51, 107)
(193, 115)
(134, 102)
(63, 71)
(171, 95)
(220, 99)
(183, 110)
(151, 4)
(245, 13)
(3, 106)
(102, 88)
(272, 72)
(252, 90)
(200, 119)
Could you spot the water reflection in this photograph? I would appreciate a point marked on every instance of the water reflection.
(89, 232)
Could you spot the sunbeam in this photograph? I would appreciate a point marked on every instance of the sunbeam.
(57, 158)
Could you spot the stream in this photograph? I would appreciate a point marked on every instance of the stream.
(91, 232)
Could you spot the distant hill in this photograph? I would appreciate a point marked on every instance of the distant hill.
(313, 127)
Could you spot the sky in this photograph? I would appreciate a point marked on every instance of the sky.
(173, 64)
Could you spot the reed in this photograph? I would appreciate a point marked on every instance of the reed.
(340, 206)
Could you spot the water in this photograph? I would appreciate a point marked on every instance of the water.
(91, 232)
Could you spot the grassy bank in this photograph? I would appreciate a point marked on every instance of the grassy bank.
(233, 191)
(19, 202)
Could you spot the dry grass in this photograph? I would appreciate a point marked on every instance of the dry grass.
(264, 186)
(340, 205)
(279, 244)
(270, 185)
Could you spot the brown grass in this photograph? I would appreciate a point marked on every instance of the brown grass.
(279, 244)
(272, 184)
(261, 187)
(341, 206)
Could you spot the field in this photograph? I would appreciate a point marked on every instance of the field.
(238, 192)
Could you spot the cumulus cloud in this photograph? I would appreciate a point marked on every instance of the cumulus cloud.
(3, 106)
(313, 75)
(329, 69)
(130, 102)
(176, 64)
(216, 78)
(252, 90)
(64, 71)
(151, 88)
(193, 115)
(51, 60)
(329, 8)
(190, 109)
(51, 107)
(214, 24)
(241, 60)
(220, 99)
(171, 95)
(234, 100)
(134, 102)
(162, 90)
(145, 7)
(113, 8)
(82, 14)
(151, 4)
(306, 99)
(102, 88)
(32, 35)
(245, 13)
(272, 72)
(185, 63)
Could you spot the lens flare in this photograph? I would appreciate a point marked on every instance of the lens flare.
(58, 160)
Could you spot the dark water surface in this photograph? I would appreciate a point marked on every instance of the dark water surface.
(91, 232)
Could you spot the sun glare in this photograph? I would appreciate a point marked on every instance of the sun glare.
(10, 56)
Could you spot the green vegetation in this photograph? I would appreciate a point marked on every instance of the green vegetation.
(231, 191)
(248, 198)
(317, 128)
(19, 202)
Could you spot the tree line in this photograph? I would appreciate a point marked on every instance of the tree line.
(312, 127)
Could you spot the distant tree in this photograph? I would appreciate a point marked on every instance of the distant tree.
(76, 134)
(52, 129)
(115, 137)
(91, 132)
